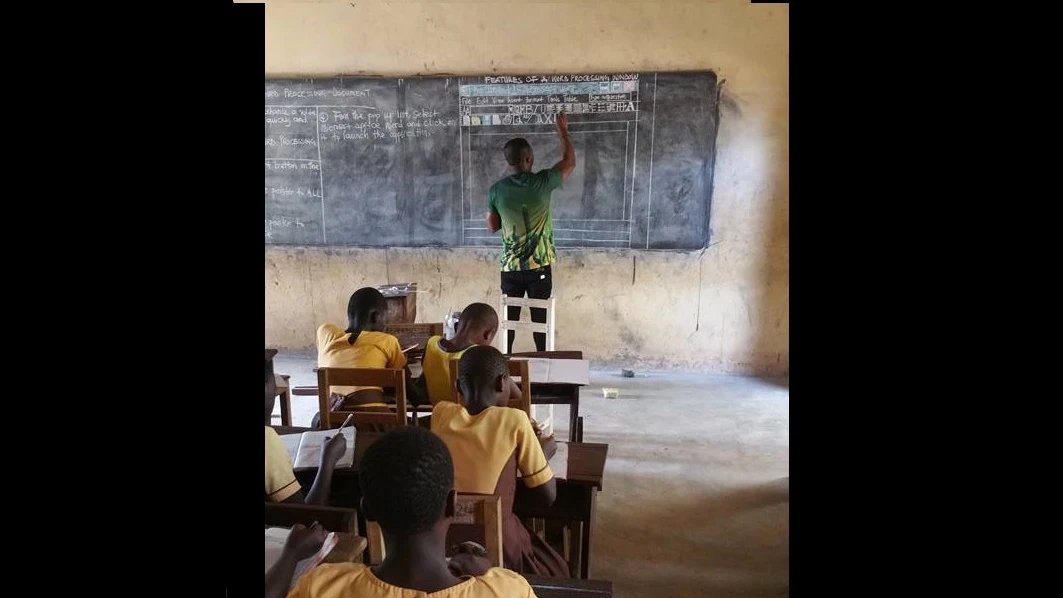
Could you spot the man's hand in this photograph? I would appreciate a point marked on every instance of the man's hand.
(568, 159)
(562, 124)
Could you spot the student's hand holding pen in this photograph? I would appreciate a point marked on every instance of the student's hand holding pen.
(304, 542)
(335, 446)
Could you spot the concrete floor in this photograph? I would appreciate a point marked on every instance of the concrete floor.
(696, 491)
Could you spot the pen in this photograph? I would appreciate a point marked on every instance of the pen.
(338, 430)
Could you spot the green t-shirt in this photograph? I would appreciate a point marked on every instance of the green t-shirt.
(522, 202)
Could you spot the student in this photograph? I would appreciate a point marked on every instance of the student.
(281, 485)
(407, 480)
(477, 325)
(489, 444)
(362, 345)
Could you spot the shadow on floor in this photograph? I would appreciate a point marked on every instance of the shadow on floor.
(685, 539)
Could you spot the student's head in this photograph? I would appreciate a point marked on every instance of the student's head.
(407, 481)
(478, 323)
(519, 154)
(271, 384)
(483, 376)
(366, 310)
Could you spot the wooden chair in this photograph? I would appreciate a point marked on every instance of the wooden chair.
(475, 513)
(378, 420)
(517, 369)
(334, 519)
(505, 324)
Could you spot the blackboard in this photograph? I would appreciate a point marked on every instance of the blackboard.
(389, 162)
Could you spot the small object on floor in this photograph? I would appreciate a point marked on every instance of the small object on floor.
(627, 373)
(610, 393)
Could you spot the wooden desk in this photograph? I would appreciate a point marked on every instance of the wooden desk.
(544, 393)
(549, 587)
(555, 392)
(577, 496)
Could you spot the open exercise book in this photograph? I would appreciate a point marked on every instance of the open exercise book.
(305, 448)
(275, 539)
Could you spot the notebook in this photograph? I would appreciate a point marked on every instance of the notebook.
(275, 539)
(559, 462)
(305, 448)
(563, 371)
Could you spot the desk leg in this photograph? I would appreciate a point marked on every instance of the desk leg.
(585, 541)
(573, 416)
(286, 408)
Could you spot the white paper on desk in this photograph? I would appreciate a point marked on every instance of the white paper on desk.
(275, 539)
(307, 454)
(559, 462)
(559, 371)
(291, 442)
(570, 371)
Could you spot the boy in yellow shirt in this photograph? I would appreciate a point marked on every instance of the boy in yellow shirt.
(477, 326)
(407, 481)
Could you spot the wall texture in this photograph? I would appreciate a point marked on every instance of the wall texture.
(723, 309)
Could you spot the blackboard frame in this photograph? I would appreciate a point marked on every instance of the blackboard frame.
(645, 242)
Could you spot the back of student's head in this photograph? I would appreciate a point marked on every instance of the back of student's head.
(366, 310)
(480, 322)
(405, 478)
(479, 369)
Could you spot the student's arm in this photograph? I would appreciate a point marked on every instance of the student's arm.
(494, 221)
(531, 461)
(322, 488)
(514, 390)
(396, 358)
(302, 543)
(568, 159)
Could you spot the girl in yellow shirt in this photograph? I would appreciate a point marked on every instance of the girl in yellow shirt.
(363, 344)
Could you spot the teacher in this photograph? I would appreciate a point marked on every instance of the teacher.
(519, 205)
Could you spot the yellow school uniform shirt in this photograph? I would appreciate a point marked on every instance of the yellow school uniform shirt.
(354, 580)
(280, 477)
(436, 370)
(481, 445)
(370, 350)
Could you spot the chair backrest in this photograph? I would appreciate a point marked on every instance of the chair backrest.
(475, 512)
(517, 369)
(505, 324)
(378, 419)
